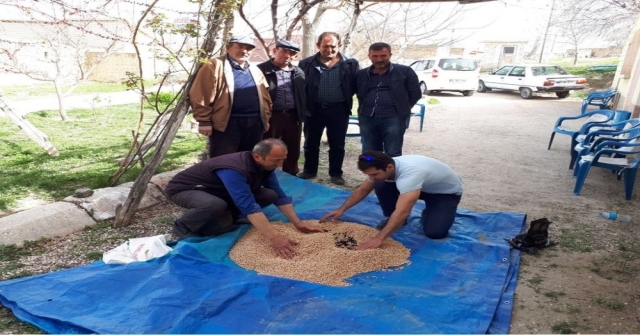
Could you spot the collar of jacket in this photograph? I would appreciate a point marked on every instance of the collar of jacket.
(273, 68)
(370, 71)
(235, 64)
(343, 58)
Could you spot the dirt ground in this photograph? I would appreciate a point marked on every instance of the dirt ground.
(497, 142)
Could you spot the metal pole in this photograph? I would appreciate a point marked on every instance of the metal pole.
(553, 2)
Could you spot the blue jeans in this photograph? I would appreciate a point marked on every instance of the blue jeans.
(384, 134)
(438, 215)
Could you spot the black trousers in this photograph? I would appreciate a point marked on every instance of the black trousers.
(205, 210)
(286, 127)
(336, 121)
(438, 215)
(242, 134)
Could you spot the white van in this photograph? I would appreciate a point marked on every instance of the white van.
(447, 74)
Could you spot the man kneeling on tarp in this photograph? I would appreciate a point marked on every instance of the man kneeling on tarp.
(399, 183)
(221, 189)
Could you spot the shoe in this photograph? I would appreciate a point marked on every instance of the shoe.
(306, 175)
(181, 231)
(384, 222)
(338, 180)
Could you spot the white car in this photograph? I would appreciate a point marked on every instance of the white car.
(532, 78)
(447, 74)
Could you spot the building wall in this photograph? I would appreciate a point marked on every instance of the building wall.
(493, 56)
(114, 68)
(627, 78)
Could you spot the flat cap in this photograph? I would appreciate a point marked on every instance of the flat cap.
(288, 45)
(242, 39)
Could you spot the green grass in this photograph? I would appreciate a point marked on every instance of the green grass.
(8, 321)
(577, 239)
(89, 145)
(565, 327)
(536, 280)
(25, 91)
(611, 304)
(554, 294)
(12, 252)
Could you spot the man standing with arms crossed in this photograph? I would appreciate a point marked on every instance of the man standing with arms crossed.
(386, 93)
(230, 100)
(330, 87)
(286, 88)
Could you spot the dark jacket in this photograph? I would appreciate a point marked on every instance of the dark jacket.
(403, 84)
(348, 70)
(299, 94)
(202, 176)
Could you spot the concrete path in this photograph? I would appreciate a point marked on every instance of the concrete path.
(91, 100)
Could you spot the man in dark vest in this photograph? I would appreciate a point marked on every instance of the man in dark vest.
(221, 188)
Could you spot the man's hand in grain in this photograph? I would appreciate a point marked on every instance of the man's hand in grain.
(369, 244)
(307, 228)
(332, 216)
(284, 246)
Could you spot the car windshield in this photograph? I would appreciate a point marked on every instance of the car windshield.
(547, 70)
(457, 64)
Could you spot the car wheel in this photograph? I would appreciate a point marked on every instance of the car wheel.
(423, 88)
(562, 94)
(467, 93)
(481, 87)
(526, 93)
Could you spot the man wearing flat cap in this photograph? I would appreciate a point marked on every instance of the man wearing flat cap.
(286, 88)
(230, 100)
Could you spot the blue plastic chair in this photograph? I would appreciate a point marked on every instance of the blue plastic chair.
(423, 110)
(353, 120)
(599, 116)
(594, 134)
(599, 99)
(626, 165)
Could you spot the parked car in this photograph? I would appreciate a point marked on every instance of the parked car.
(447, 74)
(532, 78)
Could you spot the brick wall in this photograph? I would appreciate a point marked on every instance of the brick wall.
(112, 69)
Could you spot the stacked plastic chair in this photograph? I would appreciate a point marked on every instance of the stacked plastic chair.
(599, 116)
(594, 134)
(620, 157)
(600, 99)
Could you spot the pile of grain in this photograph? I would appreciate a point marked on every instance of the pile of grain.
(327, 258)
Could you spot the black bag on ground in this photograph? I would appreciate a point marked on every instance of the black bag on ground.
(537, 237)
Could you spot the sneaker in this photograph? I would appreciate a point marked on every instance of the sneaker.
(306, 175)
(181, 231)
(384, 222)
(338, 180)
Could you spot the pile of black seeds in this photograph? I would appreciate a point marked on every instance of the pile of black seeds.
(344, 240)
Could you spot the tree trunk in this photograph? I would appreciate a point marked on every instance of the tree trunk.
(125, 213)
(228, 26)
(352, 26)
(61, 105)
(34, 133)
(308, 38)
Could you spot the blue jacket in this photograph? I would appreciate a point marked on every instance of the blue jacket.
(348, 70)
(403, 84)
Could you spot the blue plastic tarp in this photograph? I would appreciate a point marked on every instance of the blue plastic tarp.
(462, 284)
